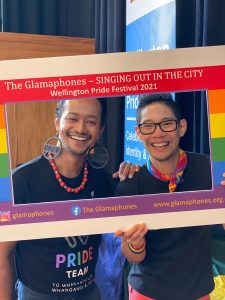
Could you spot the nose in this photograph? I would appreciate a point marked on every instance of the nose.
(80, 126)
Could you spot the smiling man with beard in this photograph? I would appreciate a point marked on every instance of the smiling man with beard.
(59, 268)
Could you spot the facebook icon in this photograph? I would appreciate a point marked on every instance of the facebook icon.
(76, 210)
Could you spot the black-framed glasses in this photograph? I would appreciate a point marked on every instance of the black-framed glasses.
(165, 126)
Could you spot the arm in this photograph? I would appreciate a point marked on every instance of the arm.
(135, 236)
(7, 270)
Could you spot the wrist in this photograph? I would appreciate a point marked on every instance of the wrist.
(137, 249)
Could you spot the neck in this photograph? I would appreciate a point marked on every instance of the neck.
(168, 166)
(69, 166)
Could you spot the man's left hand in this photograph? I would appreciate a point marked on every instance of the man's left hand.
(223, 181)
(126, 169)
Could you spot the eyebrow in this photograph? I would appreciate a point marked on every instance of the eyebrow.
(163, 119)
(77, 115)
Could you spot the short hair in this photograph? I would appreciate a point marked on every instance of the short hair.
(60, 106)
(165, 98)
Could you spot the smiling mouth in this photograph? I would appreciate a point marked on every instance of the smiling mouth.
(164, 144)
(79, 138)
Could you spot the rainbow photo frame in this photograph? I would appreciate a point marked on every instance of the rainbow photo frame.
(190, 69)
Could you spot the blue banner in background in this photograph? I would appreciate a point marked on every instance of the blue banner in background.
(150, 26)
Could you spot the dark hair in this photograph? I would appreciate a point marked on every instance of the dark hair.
(60, 106)
(165, 98)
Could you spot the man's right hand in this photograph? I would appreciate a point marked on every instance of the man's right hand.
(135, 236)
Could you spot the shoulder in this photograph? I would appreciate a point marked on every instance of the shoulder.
(198, 158)
(29, 166)
(31, 170)
(199, 162)
(198, 173)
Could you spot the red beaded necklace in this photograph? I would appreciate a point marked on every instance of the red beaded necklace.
(63, 184)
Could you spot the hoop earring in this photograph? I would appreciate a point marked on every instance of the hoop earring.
(52, 150)
(97, 156)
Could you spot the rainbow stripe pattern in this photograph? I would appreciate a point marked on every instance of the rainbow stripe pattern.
(217, 125)
(5, 185)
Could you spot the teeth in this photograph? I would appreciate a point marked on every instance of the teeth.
(160, 144)
(78, 138)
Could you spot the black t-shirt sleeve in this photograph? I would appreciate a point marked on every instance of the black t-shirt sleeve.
(20, 193)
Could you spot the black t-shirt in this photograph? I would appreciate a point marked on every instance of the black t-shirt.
(178, 261)
(197, 176)
(58, 266)
(34, 182)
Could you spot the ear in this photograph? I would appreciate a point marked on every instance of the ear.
(138, 133)
(56, 122)
(182, 127)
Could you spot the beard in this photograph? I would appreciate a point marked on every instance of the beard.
(75, 151)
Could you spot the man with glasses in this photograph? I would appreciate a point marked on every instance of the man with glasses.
(168, 263)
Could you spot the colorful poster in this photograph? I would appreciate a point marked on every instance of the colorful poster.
(48, 79)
